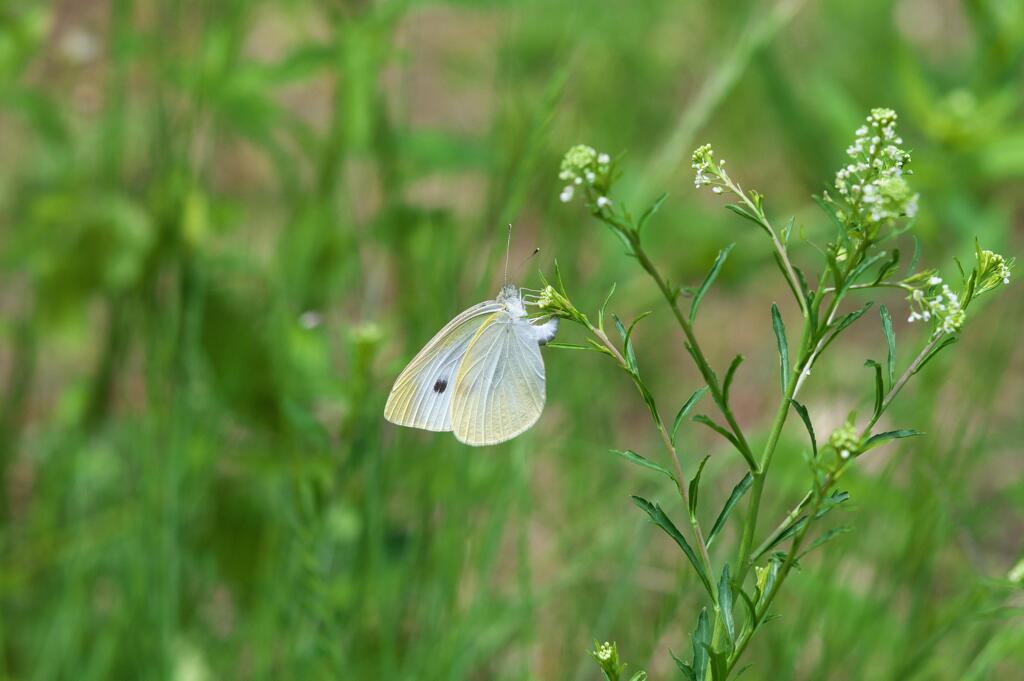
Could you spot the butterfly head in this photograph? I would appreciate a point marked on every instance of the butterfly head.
(509, 293)
(512, 298)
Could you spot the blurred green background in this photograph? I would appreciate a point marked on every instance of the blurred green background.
(225, 227)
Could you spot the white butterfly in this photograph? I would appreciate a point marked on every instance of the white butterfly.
(481, 376)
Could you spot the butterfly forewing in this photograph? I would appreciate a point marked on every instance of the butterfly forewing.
(499, 388)
(422, 394)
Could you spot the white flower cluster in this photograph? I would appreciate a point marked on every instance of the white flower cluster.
(582, 166)
(874, 183)
(709, 171)
(938, 305)
(604, 652)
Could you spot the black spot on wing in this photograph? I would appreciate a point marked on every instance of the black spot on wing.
(440, 385)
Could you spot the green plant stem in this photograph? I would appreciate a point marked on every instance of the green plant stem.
(666, 440)
(901, 381)
(819, 495)
(698, 355)
(787, 267)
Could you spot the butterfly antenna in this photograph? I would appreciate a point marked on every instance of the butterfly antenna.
(508, 250)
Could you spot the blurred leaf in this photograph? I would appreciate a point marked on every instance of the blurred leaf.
(827, 537)
(882, 438)
(651, 210)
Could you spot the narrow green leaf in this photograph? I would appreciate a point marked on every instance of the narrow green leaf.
(808, 295)
(729, 375)
(725, 603)
(685, 409)
(719, 664)
(737, 493)
(890, 340)
(701, 418)
(839, 326)
(859, 270)
(785, 275)
(604, 306)
(651, 210)
(701, 639)
(801, 410)
(783, 535)
(751, 608)
(833, 218)
(708, 280)
(633, 457)
(686, 669)
(882, 438)
(787, 230)
(744, 213)
(661, 519)
(916, 256)
(568, 346)
(780, 338)
(695, 487)
(827, 537)
(626, 345)
(889, 266)
(879, 388)
(946, 342)
(835, 499)
(594, 345)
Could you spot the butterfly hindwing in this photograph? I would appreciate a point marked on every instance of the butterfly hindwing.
(499, 387)
(422, 394)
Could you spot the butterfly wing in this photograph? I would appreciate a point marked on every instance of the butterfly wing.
(499, 388)
(422, 394)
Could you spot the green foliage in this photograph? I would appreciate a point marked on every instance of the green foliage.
(227, 225)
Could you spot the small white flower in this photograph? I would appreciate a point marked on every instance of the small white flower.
(591, 177)
(566, 195)
(603, 201)
(845, 454)
(935, 281)
(604, 159)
